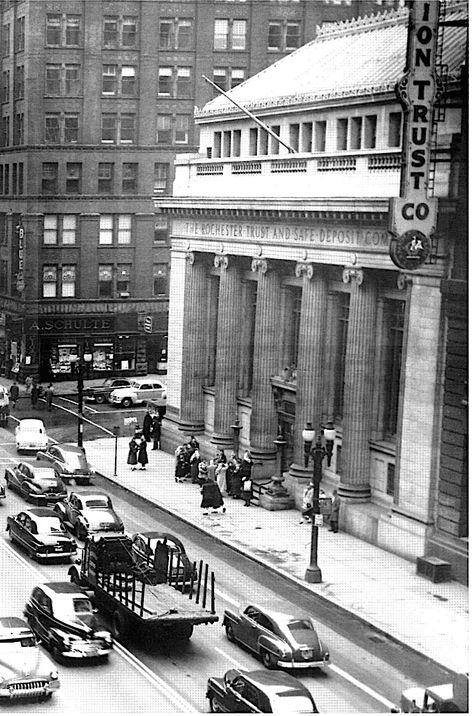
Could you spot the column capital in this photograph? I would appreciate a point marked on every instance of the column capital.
(353, 273)
(190, 257)
(260, 266)
(304, 269)
(221, 261)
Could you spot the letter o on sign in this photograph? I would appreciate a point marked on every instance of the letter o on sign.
(418, 211)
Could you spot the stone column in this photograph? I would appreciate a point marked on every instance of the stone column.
(227, 350)
(264, 419)
(193, 369)
(310, 389)
(358, 388)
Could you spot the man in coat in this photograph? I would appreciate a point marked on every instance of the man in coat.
(146, 427)
(334, 516)
(14, 393)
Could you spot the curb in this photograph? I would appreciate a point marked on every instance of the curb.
(288, 578)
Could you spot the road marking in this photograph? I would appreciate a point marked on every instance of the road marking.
(91, 422)
(226, 598)
(147, 673)
(360, 685)
(68, 400)
(226, 656)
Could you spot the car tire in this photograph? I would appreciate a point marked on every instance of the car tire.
(184, 632)
(229, 632)
(100, 399)
(214, 707)
(119, 626)
(126, 402)
(268, 659)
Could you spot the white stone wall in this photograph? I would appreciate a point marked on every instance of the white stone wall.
(175, 339)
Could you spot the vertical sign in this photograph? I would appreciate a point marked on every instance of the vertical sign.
(413, 215)
(20, 277)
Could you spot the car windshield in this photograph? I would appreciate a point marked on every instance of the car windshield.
(77, 609)
(299, 624)
(291, 704)
(74, 460)
(51, 526)
(101, 502)
(16, 643)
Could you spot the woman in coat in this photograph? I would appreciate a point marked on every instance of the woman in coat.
(194, 461)
(142, 456)
(236, 480)
(221, 475)
(211, 497)
(133, 453)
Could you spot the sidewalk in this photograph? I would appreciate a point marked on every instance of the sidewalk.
(376, 586)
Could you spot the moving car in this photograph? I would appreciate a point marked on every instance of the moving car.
(144, 546)
(61, 615)
(41, 533)
(87, 512)
(25, 672)
(30, 434)
(100, 393)
(140, 390)
(258, 692)
(36, 483)
(68, 461)
(280, 639)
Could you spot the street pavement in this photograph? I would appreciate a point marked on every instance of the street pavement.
(377, 587)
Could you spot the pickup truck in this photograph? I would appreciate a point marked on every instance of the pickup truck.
(445, 698)
(140, 597)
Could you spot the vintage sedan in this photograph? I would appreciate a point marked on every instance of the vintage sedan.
(100, 393)
(280, 639)
(179, 566)
(30, 435)
(61, 615)
(36, 483)
(41, 533)
(69, 462)
(25, 672)
(85, 513)
(258, 692)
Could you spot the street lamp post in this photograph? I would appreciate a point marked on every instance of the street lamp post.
(317, 454)
(86, 358)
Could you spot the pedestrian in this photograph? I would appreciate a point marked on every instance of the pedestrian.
(28, 383)
(14, 392)
(132, 458)
(202, 472)
(40, 394)
(194, 443)
(246, 465)
(142, 456)
(231, 468)
(236, 480)
(307, 505)
(221, 473)
(155, 432)
(194, 461)
(221, 456)
(334, 516)
(146, 427)
(211, 497)
(211, 469)
(181, 471)
(34, 394)
(48, 394)
(247, 491)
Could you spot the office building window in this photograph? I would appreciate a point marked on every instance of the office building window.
(19, 86)
(163, 129)
(124, 229)
(59, 229)
(118, 80)
(123, 280)
(160, 279)
(283, 36)
(390, 484)
(219, 77)
(6, 86)
(161, 177)
(49, 180)
(130, 178)
(6, 178)
(71, 128)
(50, 278)
(230, 34)
(128, 83)
(115, 226)
(68, 281)
(174, 82)
(3, 276)
(394, 129)
(20, 178)
(61, 128)
(106, 230)
(52, 131)
(118, 128)
(109, 79)
(228, 77)
(105, 281)
(53, 79)
(5, 133)
(63, 30)
(119, 31)
(394, 316)
(183, 82)
(73, 178)
(20, 34)
(63, 80)
(6, 39)
(105, 178)
(19, 129)
(161, 230)
(175, 34)
(181, 129)
(341, 346)
(165, 81)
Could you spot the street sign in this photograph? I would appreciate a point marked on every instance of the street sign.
(148, 324)
(318, 520)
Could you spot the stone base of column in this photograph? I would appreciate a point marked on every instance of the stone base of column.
(226, 442)
(190, 427)
(262, 454)
(354, 493)
(299, 472)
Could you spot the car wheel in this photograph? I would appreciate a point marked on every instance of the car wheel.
(119, 626)
(126, 402)
(100, 399)
(268, 659)
(184, 632)
(214, 706)
(229, 632)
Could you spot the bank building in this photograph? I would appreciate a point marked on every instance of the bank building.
(285, 306)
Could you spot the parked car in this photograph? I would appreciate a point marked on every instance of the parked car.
(25, 672)
(3, 493)
(280, 639)
(30, 434)
(140, 390)
(68, 461)
(258, 692)
(61, 615)
(179, 568)
(41, 533)
(100, 393)
(36, 483)
(87, 512)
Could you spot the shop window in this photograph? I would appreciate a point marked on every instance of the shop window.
(341, 133)
(394, 315)
(123, 280)
(68, 281)
(130, 178)
(341, 346)
(49, 180)
(161, 230)
(161, 177)
(50, 276)
(63, 358)
(106, 281)
(370, 131)
(394, 129)
(105, 178)
(125, 349)
(102, 356)
(73, 178)
(160, 279)
(356, 133)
